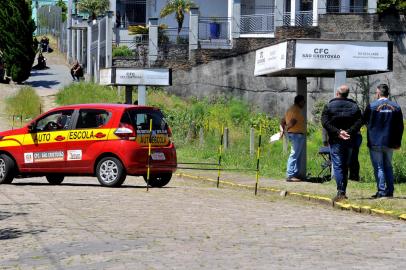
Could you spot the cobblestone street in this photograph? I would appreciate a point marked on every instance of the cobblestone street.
(189, 225)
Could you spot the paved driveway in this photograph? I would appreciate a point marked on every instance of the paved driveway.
(80, 225)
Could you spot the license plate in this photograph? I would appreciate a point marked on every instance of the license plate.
(158, 156)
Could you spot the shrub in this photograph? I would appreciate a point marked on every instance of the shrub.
(122, 51)
(25, 102)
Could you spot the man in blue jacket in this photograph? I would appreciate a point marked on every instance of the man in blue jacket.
(384, 122)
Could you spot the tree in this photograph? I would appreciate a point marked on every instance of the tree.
(64, 8)
(392, 6)
(93, 7)
(179, 7)
(16, 42)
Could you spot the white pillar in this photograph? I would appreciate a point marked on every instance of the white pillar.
(301, 89)
(235, 17)
(74, 56)
(372, 6)
(294, 8)
(153, 40)
(142, 95)
(315, 13)
(109, 40)
(78, 45)
(97, 74)
(344, 6)
(194, 29)
(279, 11)
(89, 48)
(69, 34)
(340, 78)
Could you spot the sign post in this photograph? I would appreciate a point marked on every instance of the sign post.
(136, 77)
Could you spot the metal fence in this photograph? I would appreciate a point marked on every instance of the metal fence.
(214, 28)
(172, 36)
(49, 22)
(257, 23)
(302, 18)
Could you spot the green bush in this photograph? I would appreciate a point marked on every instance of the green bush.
(122, 51)
(84, 92)
(24, 103)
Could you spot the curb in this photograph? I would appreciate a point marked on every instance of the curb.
(305, 196)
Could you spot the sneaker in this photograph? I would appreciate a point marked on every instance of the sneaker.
(378, 196)
(340, 197)
(293, 179)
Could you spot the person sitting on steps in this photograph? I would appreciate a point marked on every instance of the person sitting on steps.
(76, 71)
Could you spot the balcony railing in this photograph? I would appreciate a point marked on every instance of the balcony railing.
(171, 36)
(347, 9)
(214, 28)
(257, 24)
(303, 18)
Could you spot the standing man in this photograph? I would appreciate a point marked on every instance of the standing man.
(384, 122)
(342, 119)
(293, 125)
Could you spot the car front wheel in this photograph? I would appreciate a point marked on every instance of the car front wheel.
(55, 179)
(7, 169)
(110, 172)
(158, 180)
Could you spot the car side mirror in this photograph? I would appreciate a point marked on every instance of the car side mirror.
(32, 127)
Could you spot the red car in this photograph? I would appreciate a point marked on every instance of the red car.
(109, 141)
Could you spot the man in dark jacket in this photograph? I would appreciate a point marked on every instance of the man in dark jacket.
(384, 121)
(342, 119)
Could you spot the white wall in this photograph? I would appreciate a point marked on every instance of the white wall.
(207, 8)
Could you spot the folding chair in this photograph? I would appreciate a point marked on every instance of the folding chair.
(325, 171)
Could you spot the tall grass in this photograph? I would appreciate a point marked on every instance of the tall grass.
(25, 103)
(187, 116)
(84, 92)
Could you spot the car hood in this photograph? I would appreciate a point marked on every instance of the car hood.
(18, 131)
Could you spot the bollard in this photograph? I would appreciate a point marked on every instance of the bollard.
(201, 137)
(149, 153)
(258, 157)
(252, 141)
(220, 152)
(226, 141)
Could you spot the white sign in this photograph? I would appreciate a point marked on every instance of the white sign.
(28, 157)
(105, 76)
(74, 155)
(270, 59)
(143, 77)
(341, 55)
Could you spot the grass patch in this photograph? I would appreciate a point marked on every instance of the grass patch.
(84, 92)
(25, 103)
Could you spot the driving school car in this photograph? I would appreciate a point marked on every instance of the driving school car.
(109, 141)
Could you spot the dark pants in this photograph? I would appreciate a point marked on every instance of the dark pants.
(354, 163)
(340, 156)
(75, 76)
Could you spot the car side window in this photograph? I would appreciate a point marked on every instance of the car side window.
(92, 118)
(59, 120)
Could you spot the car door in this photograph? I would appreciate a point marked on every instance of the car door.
(44, 147)
(87, 138)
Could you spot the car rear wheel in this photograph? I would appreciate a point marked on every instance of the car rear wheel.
(110, 172)
(55, 179)
(7, 169)
(158, 180)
